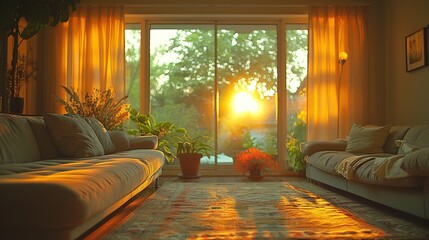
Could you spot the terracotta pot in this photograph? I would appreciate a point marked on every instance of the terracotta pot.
(190, 164)
(254, 172)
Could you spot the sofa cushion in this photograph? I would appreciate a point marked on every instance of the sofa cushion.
(367, 139)
(417, 162)
(73, 136)
(120, 139)
(102, 134)
(365, 174)
(405, 147)
(328, 160)
(418, 136)
(17, 141)
(47, 147)
(396, 133)
(63, 194)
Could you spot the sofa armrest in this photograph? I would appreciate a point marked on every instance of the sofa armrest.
(309, 148)
(143, 142)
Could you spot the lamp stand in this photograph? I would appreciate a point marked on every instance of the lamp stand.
(341, 61)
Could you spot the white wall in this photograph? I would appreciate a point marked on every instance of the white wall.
(407, 93)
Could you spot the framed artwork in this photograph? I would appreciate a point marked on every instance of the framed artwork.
(416, 50)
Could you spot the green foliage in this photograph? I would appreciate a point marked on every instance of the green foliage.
(182, 79)
(132, 65)
(267, 143)
(295, 156)
(198, 144)
(37, 14)
(166, 132)
(103, 105)
(296, 136)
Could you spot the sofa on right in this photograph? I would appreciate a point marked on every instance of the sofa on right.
(385, 164)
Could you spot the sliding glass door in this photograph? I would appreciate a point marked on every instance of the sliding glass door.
(247, 87)
(222, 80)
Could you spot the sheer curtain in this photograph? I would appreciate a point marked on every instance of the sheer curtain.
(334, 30)
(84, 53)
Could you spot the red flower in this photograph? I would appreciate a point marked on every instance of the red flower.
(251, 157)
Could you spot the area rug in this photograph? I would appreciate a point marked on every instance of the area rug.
(259, 210)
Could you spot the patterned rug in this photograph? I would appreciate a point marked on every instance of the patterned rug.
(292, 209)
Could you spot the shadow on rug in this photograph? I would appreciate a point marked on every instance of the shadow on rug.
(258, 210)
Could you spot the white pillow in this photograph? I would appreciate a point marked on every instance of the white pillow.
(367, 140)
(102, 134)
(73, 136)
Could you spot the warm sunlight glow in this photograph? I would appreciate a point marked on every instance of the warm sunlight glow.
(245, 103)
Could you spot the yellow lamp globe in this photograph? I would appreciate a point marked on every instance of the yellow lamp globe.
(343, 57)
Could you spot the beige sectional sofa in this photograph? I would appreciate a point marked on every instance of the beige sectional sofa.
(61, 175)
(385, 164)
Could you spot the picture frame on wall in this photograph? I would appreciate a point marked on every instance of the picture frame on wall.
(416, 50)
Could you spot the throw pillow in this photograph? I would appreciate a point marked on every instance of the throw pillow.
(102, 134)
(120, 139)
(405, 147)
(367, 140)
(47, 147)
(73, 136)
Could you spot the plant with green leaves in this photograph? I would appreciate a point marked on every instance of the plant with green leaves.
(37, 14)
(295, 137)
(166, 132)
(187, 144)
(103, 105)
(295, 156)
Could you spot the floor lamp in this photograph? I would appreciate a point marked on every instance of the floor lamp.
(342, 58)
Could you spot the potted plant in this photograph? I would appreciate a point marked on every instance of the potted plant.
(36, 14)
(190, 150)
(103, 105)
(25, 71)
(295, 156)
(253, 161)
(166, 132)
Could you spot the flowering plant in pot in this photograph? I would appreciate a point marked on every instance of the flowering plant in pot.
(190, 150)
(253, 161)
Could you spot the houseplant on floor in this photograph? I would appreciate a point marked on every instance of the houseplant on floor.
(253, 161)
(190, 150)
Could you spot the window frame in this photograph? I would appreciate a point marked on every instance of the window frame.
(281, 21)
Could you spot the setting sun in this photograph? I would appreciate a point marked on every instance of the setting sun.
(244, 102)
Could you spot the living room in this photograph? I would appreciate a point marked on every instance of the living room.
(377, 84)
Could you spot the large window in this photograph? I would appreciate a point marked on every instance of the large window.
(222, 80)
